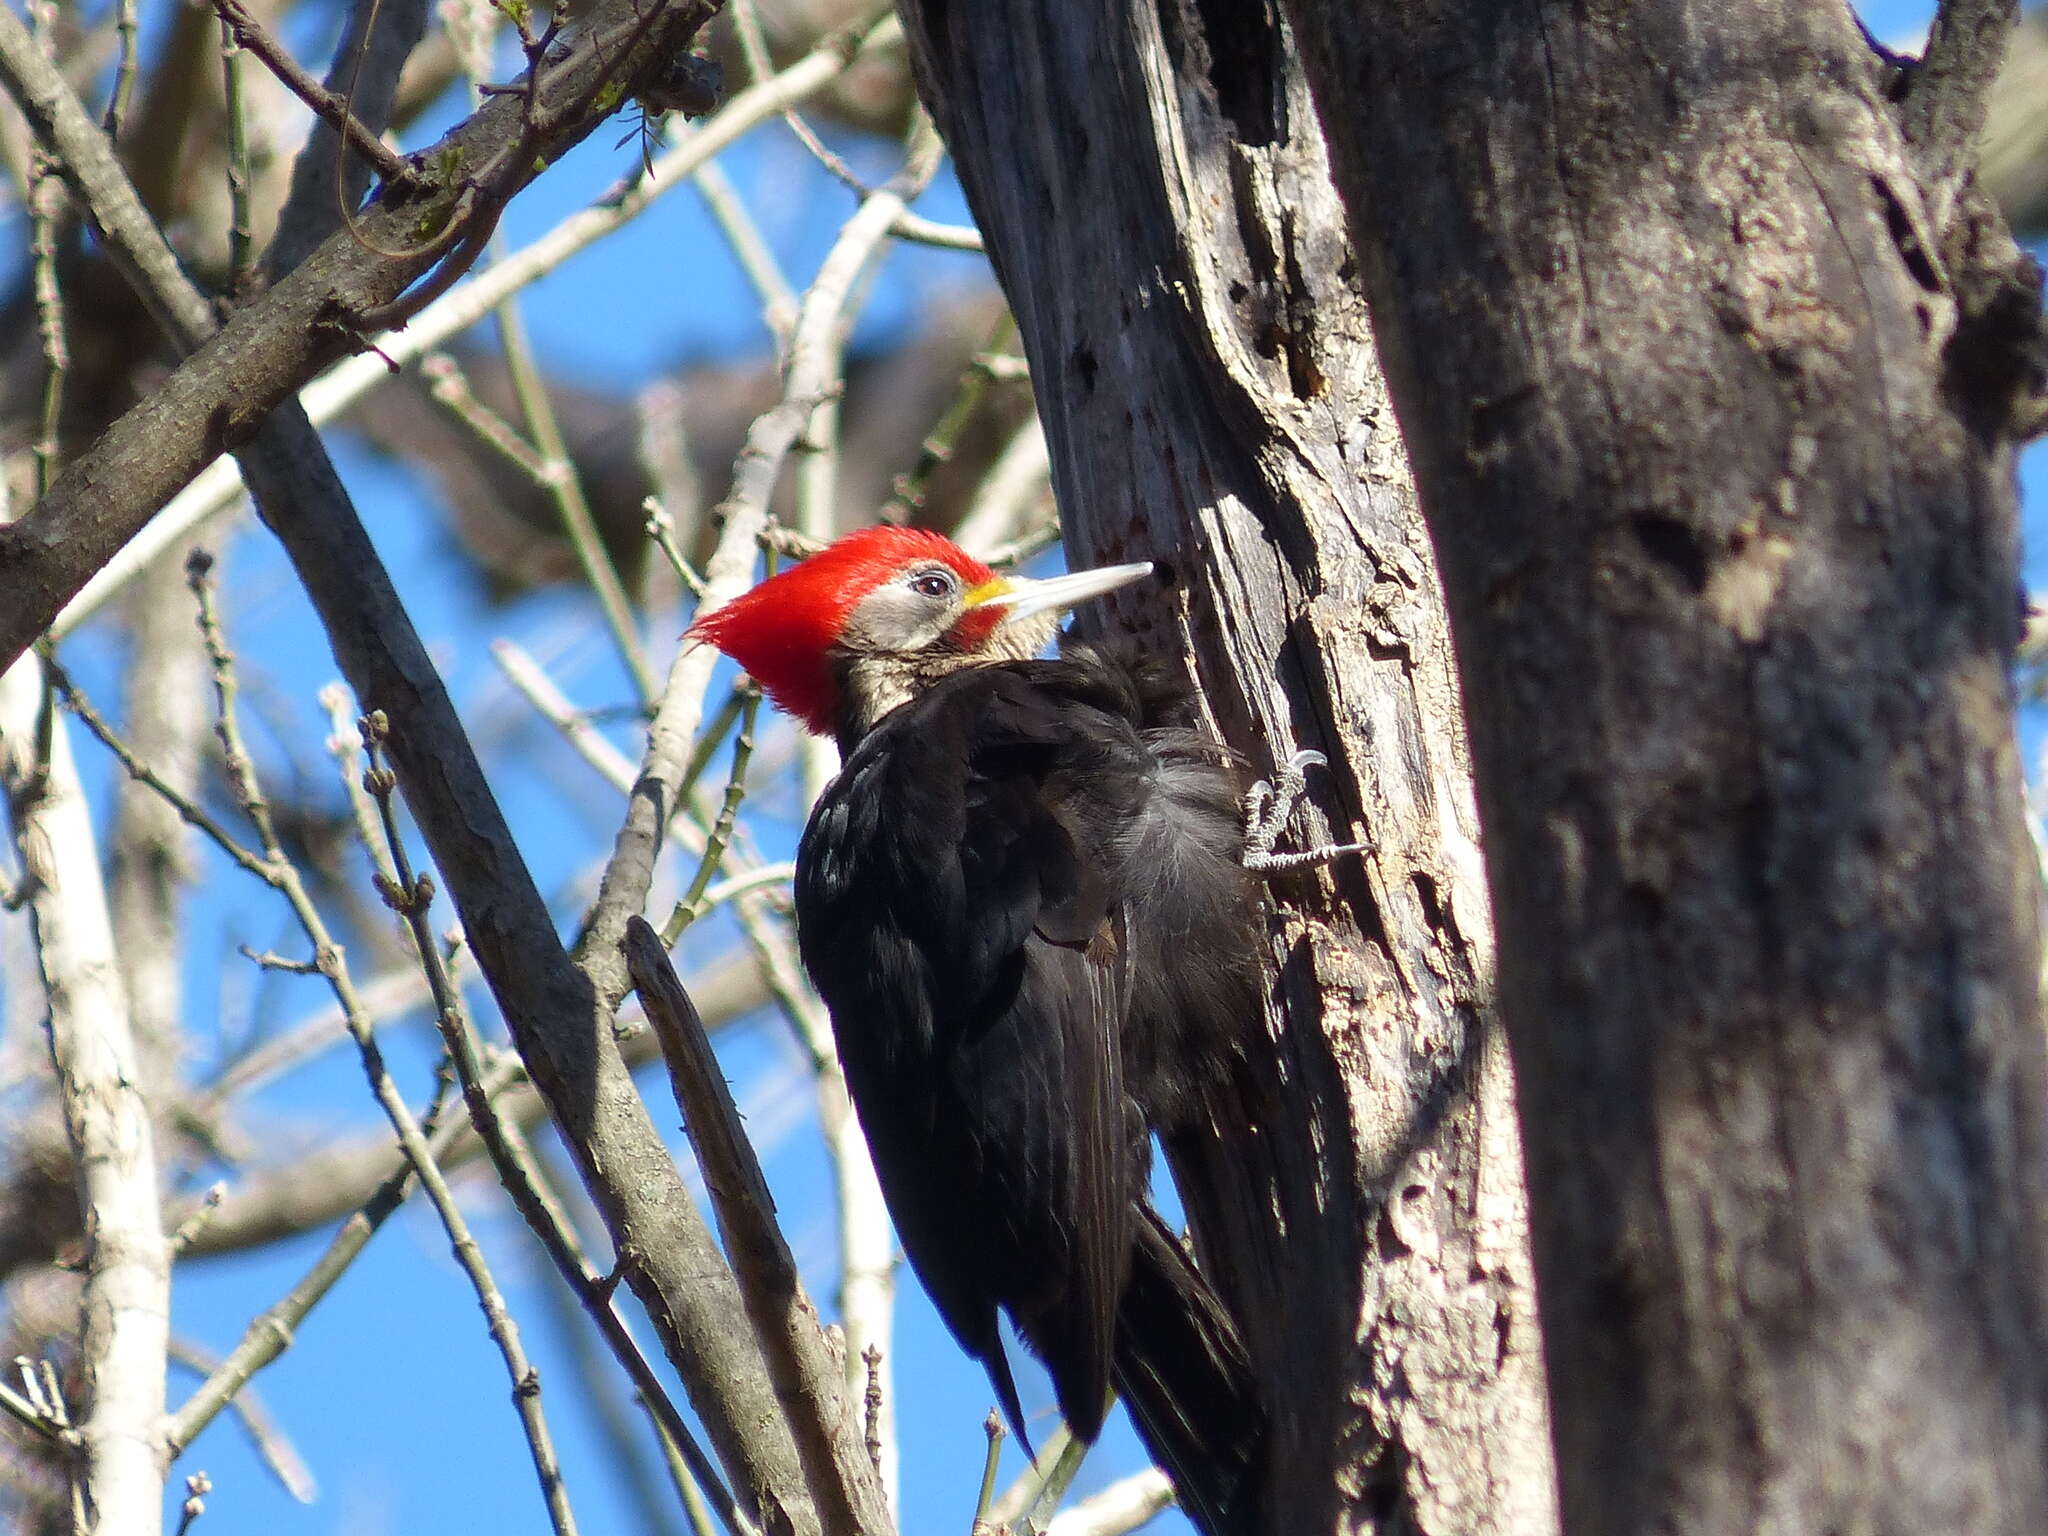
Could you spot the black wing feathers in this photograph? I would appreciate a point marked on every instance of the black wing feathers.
(972, 895)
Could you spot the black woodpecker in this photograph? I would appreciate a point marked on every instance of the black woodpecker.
(1024, 900)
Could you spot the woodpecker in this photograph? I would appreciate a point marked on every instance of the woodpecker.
(1025, 901)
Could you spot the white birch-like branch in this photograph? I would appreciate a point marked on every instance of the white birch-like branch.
(1123, 1506)
(125, 1333)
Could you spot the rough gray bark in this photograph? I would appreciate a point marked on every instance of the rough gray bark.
(1156, 201)
(1712, 406)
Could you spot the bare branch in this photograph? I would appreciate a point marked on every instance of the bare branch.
(87, 163)
(222, 393)
(271, 1332)
(330, 107)
(809, 1384)
(1123, 1506)
(328, 961)
(219, 487)
(1949, 88)
(273, 1447)
(308, 1192)
(127, 1296)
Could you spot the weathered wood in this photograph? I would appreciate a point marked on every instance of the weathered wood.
(1711, 419)
(1157, 204)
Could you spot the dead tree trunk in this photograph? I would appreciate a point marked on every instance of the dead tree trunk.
(1158, 205)
(1712, 363)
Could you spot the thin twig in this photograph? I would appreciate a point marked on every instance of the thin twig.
(272, 1331)
(817, 342)
(1028, 1492)
(411, 897)
(344, 745)
(273, 1447)
(992, 1426)
(196, 1222)
(330, 107)
(284, 876)
(559, 480)
(241, 225)
(736, 886)
(906, 497)
(661, 527)
(919, 230)
(538, 689)
(1122, 1507)
(197, 1487)
(693, 905)
(219, 487)
(194, 815)
(1017, 483)
(871, 1402)
(46, 206)
(327, 1184)
(753, 41)
(118, 99)
(749, 246)
(450, 387)
(28, 1414)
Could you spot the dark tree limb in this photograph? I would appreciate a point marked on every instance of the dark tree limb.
(563, 1032)
(217, 398)
(368, 61)
(85, 159)
(1724, 499)
(809, 1383)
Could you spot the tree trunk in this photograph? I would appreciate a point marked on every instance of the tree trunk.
(1711, 364)
(1158, 206)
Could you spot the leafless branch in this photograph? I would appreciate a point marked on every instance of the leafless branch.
(219, 488)
(86, 161)
(126, 1301)
(273, 1447)
(1943, 111)
(329, 106)
(283, 875)
(272, 1331)
(308, 318)
(1121, 1507)
(809, 1383)
(412, 896)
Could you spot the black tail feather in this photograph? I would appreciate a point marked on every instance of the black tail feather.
(1181, 1368)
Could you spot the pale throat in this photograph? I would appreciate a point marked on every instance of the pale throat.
(872, 681)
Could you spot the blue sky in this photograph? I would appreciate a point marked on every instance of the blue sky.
(393, 1393)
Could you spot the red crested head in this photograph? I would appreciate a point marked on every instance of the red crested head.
(784, 631)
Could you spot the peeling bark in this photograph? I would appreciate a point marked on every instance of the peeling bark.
(1154, 193)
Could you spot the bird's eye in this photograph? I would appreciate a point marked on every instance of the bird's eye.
(932, 584)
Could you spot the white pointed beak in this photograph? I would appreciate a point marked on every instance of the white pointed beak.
(1020, 598)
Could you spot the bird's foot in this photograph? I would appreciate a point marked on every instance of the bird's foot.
(1267, 807)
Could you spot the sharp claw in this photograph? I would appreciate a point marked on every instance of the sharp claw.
(1267, 807)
